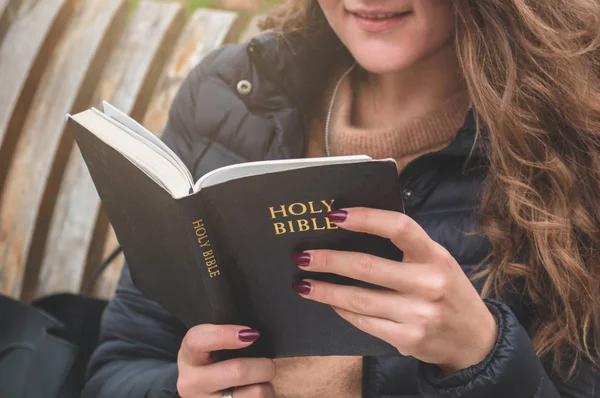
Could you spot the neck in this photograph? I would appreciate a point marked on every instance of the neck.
(383, 99)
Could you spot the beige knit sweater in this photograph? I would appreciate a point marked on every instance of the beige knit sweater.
(402, 142)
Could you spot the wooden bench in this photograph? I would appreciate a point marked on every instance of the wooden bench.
(63, 56)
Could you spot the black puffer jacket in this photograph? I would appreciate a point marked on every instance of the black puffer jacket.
(216, 121)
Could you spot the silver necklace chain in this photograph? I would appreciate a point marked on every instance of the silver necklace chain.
(330, 111)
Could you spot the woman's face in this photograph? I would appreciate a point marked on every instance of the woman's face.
(387, 36)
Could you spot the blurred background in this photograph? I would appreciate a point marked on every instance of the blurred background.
(64, 56)
(247, 5)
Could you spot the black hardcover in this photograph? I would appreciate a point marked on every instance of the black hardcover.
(221, 255)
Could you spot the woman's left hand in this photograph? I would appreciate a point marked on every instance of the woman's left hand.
(431, 310)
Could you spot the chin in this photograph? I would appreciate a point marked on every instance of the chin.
(384, 62)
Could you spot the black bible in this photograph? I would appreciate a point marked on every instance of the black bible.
(217, 250)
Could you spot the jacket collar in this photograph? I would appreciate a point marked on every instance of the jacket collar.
(296, 64)
(467, 141)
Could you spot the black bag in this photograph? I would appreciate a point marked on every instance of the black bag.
(45, 346)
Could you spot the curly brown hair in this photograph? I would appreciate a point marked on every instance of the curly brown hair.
(532, 69)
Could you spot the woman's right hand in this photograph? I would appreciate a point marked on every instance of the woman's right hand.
(201, 377)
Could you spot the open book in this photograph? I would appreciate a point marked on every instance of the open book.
(217, 250)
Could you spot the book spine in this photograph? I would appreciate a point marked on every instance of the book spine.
(210, 260)
(223, 244)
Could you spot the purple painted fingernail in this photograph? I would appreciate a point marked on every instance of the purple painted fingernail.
(302, 287)
(301, 259)
(248, 335)
(337, 216)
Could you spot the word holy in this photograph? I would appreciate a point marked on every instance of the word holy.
(207, 253)
(304, 224)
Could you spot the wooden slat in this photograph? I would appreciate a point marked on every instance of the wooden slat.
(241, 5)
(42, 151)
(8, 9)
(130, 76)
(104, 286)
(252, 29)
(205, 31)
(24, 55)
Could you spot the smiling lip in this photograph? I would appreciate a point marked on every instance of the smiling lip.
(377, 21)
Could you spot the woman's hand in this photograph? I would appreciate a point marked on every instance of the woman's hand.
(431, 310)
(201, 377)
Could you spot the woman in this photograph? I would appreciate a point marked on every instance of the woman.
(492, 111)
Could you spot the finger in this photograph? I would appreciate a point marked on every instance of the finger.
(231, 373)
(423, 280)
(376, 303)
(391, 332)
(403, 231)
(364, 267)
(264, 390)
(201, 340)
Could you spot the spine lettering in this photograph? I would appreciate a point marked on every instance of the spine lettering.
(207, 253)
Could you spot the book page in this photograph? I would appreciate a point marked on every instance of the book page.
(142, 132)
(241, 170)
(146, 157)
